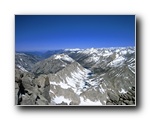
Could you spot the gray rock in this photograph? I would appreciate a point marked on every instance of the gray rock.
(126, 101)
(129, 93)
(27, 92)
(113, 96)
(129, 97)
(121, 99)
(123, 103)
(41, 102)
(73, 103)
(130, 103)
(120, 102)
(26, 100)
(109, 103)
(16, 96)
(124, 96)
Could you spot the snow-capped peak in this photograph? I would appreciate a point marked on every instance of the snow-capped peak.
(63, 57)
(89, 51)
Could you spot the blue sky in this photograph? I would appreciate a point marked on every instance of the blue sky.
(51, 32)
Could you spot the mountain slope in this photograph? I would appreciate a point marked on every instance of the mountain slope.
(52, 64)
(24, 61)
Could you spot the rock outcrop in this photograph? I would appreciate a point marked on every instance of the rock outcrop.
(30, 90)
(122, 99)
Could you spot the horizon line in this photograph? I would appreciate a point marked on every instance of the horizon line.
(69, 48)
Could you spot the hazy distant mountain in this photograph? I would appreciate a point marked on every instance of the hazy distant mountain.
(49, 53)
(95, 76)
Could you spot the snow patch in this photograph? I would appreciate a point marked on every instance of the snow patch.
(101, 89)
(61, 99)
(89, 51)
(23, 69)
(107, 53)
(88, 102)
(63, 57)
(61, 84)
(122, 91)
(124, 52)
(21, 59)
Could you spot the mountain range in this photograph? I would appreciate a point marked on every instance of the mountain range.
(93, 76)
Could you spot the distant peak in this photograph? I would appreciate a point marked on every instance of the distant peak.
(75, 49)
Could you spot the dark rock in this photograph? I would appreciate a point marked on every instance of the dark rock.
(124, 96)
(133, 98)
(133, 88)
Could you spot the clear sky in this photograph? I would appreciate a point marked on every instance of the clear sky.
(51, 32)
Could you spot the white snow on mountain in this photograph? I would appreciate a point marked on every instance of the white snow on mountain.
(117, 62)
(122, 91)
(61, 84)
(23, 69)
(76, 80)
(88, 51)
(88, 102)
(131, 51)
(21, 59)
(60, 99)
(63, 57)
(107, 53)
(123, 52)
(75, 49)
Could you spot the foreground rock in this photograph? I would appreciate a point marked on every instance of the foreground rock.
(123, 99)
(30, 90)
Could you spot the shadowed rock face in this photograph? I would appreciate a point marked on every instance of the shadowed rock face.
(93, 77)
